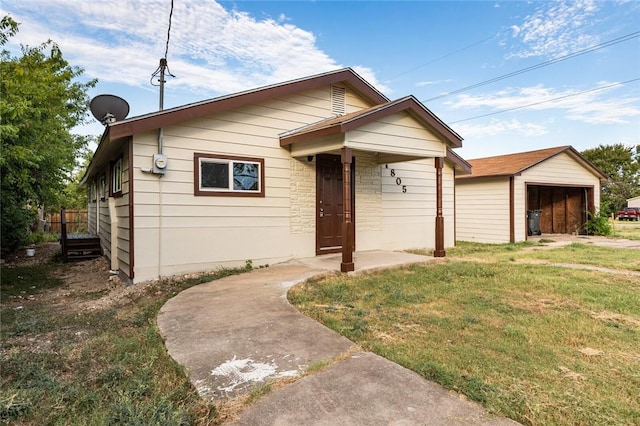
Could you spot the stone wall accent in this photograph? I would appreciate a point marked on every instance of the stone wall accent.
(368, 192)
(303, 196)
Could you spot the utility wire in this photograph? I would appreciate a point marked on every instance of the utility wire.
(548, 100)
(445, 56)
(160, 71)
(166, 50)
(542, 64)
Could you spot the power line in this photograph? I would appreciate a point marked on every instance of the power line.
(445, 56)
(166, 50)
(163, 68)
(548, 100)
(542, 64)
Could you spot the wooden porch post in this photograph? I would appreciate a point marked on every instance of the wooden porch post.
(347, 223)
(439, 251)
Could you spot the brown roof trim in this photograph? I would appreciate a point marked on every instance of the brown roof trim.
(462, 165)
(345, 123)
(515, 164)
(176, 115)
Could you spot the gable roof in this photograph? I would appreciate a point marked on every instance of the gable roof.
(191, 111)
(347, 122)
(514, 164)
(115, 133)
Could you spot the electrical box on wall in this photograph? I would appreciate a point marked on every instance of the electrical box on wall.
(159, 164)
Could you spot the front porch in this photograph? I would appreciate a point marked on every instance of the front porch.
(395, 132)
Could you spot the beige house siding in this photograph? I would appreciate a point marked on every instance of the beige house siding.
(122, 212)
(177, 232)
(92, 215)
(99, 217)
(482, 210)
(397, 130)
(200, 232)
(633, 202)
(408, 218)
(104, 229)
(448, 205)
(164, 225)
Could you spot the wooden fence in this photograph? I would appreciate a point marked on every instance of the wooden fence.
(76, 222)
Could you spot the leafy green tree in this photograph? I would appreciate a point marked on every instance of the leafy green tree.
(75, 194)
(41, 102)
(622, 164)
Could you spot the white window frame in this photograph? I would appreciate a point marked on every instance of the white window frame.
(92, 192)
(116, 177)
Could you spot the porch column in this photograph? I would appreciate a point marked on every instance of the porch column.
(347, 222)
(439, 250)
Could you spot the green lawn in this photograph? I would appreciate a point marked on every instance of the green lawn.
(537, 343)
(630, 230)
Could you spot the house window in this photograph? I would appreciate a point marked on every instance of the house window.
(102, 187)
(92, 192)
(116, 177)
(228, 176)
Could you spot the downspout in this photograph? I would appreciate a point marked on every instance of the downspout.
(512, 209)
(586, 210)
(163, 65)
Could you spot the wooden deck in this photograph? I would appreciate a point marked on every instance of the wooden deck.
(78, 246)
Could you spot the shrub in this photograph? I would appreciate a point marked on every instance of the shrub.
(598, 223)
(16, 222)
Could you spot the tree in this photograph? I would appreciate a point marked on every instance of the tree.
(75, 194)
(622, 164)
(41, 102)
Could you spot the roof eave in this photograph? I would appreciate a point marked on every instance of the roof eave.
(176, 115)
(409, 104)
(96, 155)
(462, 165)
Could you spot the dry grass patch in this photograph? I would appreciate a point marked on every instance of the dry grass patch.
(528, 341)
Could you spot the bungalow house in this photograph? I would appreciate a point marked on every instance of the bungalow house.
(323, 164)
(558, 185)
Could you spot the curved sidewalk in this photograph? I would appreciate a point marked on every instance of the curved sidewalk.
(237, 333)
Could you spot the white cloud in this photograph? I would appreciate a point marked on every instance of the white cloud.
(211, 50)
(556, 29)
(497, 127)
(430, 83)
(595, 107)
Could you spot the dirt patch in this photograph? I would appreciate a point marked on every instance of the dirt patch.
(615, 318)
(559, 240)
(88, 284)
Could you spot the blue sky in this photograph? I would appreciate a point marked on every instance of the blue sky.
(424, 48)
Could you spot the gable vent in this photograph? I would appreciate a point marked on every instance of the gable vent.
(338, 102)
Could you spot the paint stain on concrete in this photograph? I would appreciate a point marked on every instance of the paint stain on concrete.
(238, 372)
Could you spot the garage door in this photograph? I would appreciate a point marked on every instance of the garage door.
(562, 207)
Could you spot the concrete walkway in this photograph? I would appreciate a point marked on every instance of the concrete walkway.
(238, 333)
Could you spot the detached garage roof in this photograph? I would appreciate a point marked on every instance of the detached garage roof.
(514, 164)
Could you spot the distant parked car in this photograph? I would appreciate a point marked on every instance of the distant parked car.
(629, 213)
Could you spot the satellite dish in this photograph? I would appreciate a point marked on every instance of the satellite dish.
(109, 108)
